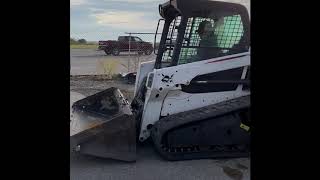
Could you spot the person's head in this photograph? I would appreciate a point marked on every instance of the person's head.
(205, 27)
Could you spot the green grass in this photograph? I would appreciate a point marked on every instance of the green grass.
(83, 46)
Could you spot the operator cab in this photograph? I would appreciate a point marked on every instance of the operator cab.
(200, 30)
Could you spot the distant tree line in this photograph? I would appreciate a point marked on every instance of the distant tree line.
(80, 41)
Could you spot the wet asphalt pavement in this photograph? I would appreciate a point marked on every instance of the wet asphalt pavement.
(150, 166)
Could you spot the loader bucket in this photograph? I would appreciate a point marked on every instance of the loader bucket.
(103, 125)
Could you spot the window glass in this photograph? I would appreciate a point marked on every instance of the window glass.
(207, 38)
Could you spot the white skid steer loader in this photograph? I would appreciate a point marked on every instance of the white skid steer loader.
(192, 101)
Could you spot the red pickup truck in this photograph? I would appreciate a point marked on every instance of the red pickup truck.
(122, 45)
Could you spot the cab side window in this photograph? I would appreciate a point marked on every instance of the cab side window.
(137, 39)
(207, 38)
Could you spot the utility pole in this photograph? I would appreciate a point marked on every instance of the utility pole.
(129, 52)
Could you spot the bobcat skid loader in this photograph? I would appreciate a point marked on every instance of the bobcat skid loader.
(192, 101)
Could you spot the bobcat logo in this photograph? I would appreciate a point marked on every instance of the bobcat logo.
(166, 78)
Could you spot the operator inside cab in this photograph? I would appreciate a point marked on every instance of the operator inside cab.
(208, 44)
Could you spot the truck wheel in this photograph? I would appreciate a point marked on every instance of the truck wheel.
(148, 52)
(115, 52)
(108, 52)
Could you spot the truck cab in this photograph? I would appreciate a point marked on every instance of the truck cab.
(126, 44)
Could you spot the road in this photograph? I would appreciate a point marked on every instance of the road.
(149, 165)
(89, 61)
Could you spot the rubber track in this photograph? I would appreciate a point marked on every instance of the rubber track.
(167, 123)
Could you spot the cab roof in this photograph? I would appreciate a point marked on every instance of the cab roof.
(203, 8)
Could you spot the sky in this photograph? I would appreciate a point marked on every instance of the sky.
(96, 20)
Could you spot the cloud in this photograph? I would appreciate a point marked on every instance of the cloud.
(126, 20)
(77, 2)
(96, 10)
